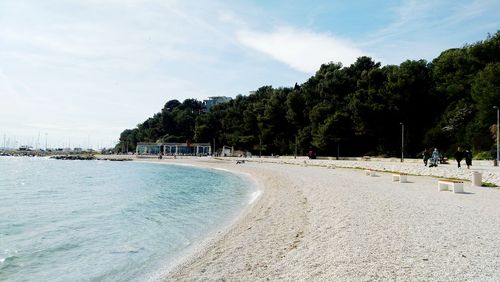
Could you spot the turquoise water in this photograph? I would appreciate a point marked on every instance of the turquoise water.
(106, 221)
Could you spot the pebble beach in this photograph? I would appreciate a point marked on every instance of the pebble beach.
(326, 220)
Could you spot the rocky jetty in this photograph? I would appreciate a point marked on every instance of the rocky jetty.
(74, 157)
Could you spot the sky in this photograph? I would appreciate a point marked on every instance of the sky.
(77, 73)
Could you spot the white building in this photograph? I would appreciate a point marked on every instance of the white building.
(174, 149)
(215, 100)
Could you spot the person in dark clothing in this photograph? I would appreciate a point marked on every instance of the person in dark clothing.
(468, 158)
(311, 154)
(459, 155)
(426, 155)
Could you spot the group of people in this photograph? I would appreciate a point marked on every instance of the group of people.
(460, 155)
(435, 157)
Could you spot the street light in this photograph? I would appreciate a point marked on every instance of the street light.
(260, 146)
(402, 141)
(498, 127)
(295, 151)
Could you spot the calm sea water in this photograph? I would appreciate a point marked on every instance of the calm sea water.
(106, 221)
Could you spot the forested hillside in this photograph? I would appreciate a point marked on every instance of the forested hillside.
(358, 108)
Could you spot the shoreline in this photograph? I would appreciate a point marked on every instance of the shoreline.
(256, 193)
(315, 223)
(243, 222)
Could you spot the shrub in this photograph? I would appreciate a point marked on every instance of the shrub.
(483, 155)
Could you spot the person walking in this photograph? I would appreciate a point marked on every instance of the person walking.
(459, 155)
(426, 155)
(468, 158)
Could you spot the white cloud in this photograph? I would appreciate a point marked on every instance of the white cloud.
(302, 50)
(105, 64)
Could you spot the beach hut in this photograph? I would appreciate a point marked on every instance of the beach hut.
(187, 149)
(148, 149)
(174, 149)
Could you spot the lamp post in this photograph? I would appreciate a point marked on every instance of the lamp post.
(295, 151)
(498, 127)
(402, 141)
(260, 146)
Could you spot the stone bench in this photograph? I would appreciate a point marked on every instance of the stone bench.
(370, 172)
(456, 185)
(401, 177)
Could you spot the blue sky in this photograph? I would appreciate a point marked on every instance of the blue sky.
(80, 72)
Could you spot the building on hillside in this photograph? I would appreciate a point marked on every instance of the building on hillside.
(215, 100)
(174, 149)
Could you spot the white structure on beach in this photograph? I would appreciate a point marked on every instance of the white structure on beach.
(174, 149)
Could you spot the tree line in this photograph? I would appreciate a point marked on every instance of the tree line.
(356, 109)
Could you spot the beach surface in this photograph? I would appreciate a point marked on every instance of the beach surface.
(314, 223)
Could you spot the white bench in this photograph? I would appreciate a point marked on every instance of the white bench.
(456, 185)
(399, 177)
(370, 172)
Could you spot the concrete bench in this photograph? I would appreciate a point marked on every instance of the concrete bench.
(456, 185)
(370, 172)
(401, 177)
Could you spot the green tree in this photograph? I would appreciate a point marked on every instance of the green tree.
(486, 92)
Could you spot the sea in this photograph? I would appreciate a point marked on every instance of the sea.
(66, 220)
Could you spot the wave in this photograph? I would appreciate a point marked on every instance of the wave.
(127, 249)
(8, 262)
